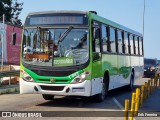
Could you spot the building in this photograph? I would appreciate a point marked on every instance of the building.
(10, 38)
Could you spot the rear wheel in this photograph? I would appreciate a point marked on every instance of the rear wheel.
(48, 97)
(131, 85)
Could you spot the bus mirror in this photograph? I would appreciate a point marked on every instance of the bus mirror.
(96, 56)
(14, 38)
(47, 35)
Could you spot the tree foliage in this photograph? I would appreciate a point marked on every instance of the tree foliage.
(11, 9)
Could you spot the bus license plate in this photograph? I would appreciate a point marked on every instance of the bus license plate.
(78, 89)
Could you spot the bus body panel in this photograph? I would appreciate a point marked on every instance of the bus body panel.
(124, 70)
(81, 89)
(109, 62)
(135, 65)
(119, 69)
(96, 85)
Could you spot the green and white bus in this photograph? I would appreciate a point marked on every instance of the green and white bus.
(75, 53)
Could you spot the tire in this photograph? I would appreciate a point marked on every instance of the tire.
(48, 97)
(101, 96)
(131, 85)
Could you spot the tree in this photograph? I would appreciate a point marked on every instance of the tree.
(11, 9)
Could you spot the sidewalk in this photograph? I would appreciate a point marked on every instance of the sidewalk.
(9, 89)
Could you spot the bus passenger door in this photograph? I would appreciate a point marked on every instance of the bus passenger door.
(96, 62)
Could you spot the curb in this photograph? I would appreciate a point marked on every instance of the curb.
(9, 90)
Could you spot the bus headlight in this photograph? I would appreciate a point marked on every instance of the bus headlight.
(80, 78)
(26, 76)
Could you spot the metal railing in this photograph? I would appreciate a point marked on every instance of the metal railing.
(9, 73)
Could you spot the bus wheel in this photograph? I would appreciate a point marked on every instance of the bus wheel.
(101, 96)
(48, 97)
(131, 85)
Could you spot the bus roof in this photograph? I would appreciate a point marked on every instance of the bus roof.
(92, 16)
(113, 24)
(60, 11)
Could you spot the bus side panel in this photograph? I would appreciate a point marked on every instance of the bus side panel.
(96, 85)
(109, 63)
(124, 70)
(97, 76)
(136, 66)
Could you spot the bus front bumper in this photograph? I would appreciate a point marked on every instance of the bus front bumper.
(80, 89)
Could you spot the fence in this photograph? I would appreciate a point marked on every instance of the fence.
(8, 71)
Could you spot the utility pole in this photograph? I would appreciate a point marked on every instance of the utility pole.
(2, 41)
(144, 8)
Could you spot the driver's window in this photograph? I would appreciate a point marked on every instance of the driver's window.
(96, 39)
(97, 45)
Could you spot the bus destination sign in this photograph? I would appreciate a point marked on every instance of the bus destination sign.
(49, 20)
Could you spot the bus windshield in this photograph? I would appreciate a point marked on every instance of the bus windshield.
(55, 46)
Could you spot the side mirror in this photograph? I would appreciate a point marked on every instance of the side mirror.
(96, 56)
(14, 38)
(47, 35)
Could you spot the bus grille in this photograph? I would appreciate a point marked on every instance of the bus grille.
(52, 88)
(56, 81)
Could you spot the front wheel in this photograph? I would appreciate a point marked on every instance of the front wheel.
(48, 97)
(101, 96)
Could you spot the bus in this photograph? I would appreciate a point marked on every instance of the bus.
(78, 53)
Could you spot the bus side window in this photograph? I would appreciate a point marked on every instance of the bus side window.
(140, 46)
(112, 36)
(126, 50)
(104, 38)
(96, 44)
(96, 40)
(136, 45)
(119, 38)
(131, 42)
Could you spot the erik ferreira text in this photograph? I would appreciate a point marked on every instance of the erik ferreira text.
(147, 115)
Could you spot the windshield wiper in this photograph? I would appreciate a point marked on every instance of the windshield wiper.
(63, 36)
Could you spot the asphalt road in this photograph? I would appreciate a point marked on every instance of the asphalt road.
(114, 104)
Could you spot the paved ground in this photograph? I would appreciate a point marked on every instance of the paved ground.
(113, 104)
(153, 102)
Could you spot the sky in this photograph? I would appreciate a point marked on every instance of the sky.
(128, 13)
